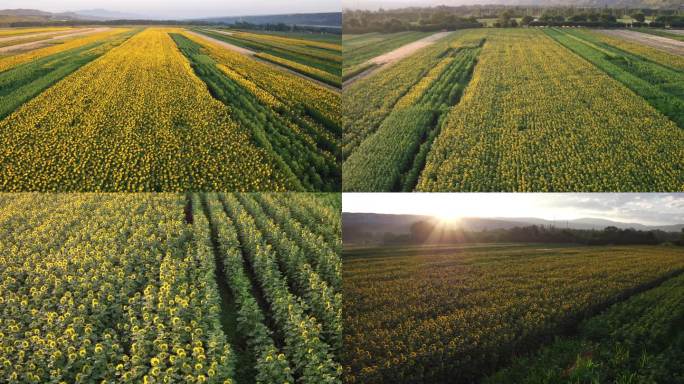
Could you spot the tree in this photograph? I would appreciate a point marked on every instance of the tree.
(526, 20)
(640, 17)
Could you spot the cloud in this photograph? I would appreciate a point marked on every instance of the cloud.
(644, 208)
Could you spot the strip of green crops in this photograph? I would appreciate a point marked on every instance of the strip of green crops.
(662, 87)
(22, 83)
(640, 340)
(310, 60)
(393, 157)
(309, 164)
(367, 102)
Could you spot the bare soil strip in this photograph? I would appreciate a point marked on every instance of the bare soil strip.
(32, 35)
(663, 43)
(41, 43)
(389, 58)
(230, 46)
(252, 53)
(675, 31)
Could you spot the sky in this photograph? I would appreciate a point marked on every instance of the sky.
(181, 8)
(643, 208)
(390, 4)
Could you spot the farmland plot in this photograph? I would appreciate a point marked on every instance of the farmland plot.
(456, 314)
(537, 117)
(142, 118)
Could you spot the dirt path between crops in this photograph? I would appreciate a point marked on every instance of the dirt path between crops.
(663, 43)
(41, 43)
(252, 53)
(32, 35)
(389, 58)
(230, 46)
(675, 31)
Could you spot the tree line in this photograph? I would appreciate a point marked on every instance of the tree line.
(430, 231)
(452, 18)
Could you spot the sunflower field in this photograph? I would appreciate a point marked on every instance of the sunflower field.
(166, 288)
(133, 111)
(458, 313)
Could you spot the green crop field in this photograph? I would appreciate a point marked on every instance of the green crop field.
(459, 313)
(168, 288)
(529, 110)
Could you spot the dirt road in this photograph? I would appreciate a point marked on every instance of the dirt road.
(663, 43)
(32, 35)
(675, 31)
(41, 43)
(387, 59)
(230, 46)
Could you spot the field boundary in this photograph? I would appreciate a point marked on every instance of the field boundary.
(266, 62)
(378, 63)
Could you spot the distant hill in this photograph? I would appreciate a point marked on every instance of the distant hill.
(355, 224)
(103, 14)
(393, 4)
(8, 16)
(328, 19)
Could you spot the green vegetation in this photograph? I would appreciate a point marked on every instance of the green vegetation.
(307, 158)
(168, 288)
(23, 82)
(661, 86)
(367, 102)
(321, 55)
(456, 313)
(640, 340)
(393, 157)
(661, 33)
(357, 49)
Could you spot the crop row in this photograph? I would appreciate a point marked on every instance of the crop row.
(313, 73)
(159, 288)
(91, 292)
(369, 101)
(419, 316)
(25, 57)
(392, 157)
(661, 86)
(285, 48)
(636, 341)
(312, 358)
(657, 55)
(308, 100)
(291, 142)
(25, 81)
